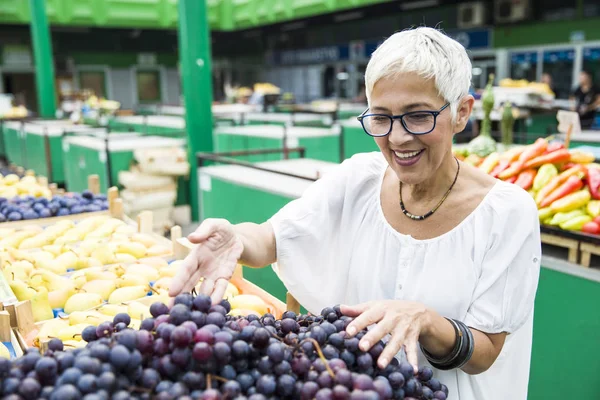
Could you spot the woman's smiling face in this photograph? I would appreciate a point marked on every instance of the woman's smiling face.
(414, 158)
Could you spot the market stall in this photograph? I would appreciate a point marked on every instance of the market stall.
(160, 125)
(320, 143)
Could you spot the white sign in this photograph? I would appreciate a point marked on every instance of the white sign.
(568, 119)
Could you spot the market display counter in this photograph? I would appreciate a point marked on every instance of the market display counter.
(160, 125)
(244, 194)
(585, 138)
(355, 140)
(320, 143)
(106, 156)
(565, 333)
(284, 119)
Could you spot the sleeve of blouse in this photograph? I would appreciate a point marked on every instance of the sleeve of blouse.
(307, 235)
(504, 296)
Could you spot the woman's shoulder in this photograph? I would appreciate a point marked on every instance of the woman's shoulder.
(361, 167)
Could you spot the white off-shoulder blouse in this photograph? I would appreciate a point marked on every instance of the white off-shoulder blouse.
(335, 246)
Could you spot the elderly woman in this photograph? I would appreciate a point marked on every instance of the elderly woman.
(432, 254)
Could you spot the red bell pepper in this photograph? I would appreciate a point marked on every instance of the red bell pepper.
(533, 150)
(572, 184)
(554, 146)
(511, 171)
(591, 227)
(594, 182)
(597, 220)
(556, 157)
(502, 165)
(525, 178)
(512, 179)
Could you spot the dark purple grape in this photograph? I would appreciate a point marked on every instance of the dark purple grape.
(285, 385)
(329, 328)
(245, 380)
(330, 352)
(204, 335)
(87, 384)
(425, 374)
(104, 329)
(282, 368)
(319, 365)
(445, 389)
(202, 303)
(167, 367)
(318, 334)
(439, 395)
(46, 369)
(396, 380)
(65, 360)
(119, 357)
(426, 393)
(226, 305)
(219, 309)
(4, 368)
(181, 356)
(202, 352)
(160, 347)
(337, 340)
(179, 314)
(231, 389)
(224, 337)
(240, 349)
(289, 314)
(181, 336)
(56, 344)
(165, 330)
(216, 318)
(120, 327)
(122, 317)
(106, 381)
(163, 386)
(407, 370)
(158, 308)
(336, 364)
(324, 394)
(261, 337)
(309, 390)
(29, 389)
(10, 386)
(88, 365)
(434, 384)
(363, 382)
(222, 352)
(300, 365)
(411, 387)
(69, 376)
(348, 357)
(364, 361)
(266, 385)
(184, 298)
(127, 338)
(289, 325)
(326, 311)
(178, 390)
(211, 394)
(344, 377)
(351, 344)
(161, 319)
(376, 350)
(383, 388)
(147, 324)
(275, 352)
(247, 333)
(194, 380)
(198, 317)
(265, 365)
(144, 341)
(228, 372)
(341, 393)
(325, 380)
(66, 392)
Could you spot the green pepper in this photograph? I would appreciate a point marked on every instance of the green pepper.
(575, 224)
(545, 213)
(561, 217)
(544, 176)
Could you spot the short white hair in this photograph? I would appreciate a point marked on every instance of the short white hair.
(430, 54)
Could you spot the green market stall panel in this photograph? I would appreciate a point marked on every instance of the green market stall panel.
(43, 146)
(355, 140)
(159, 125)
(565, 332)
(243, 194)
(350, 110)
(14, 149)
(286, 119)
(105, 156)
(320, 143)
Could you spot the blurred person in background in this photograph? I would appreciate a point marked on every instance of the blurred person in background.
(587, 99)
(547, 79)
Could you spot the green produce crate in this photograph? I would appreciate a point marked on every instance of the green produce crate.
(355, 139)
(285, 119)
(160, 125)
(105, 156)
(243, 194)
(14, 147)
(43, 146)
(320, 143)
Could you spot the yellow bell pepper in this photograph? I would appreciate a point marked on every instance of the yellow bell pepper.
(489, 163)
(581, 157)
(593, 208)
(575, 224)
(571, 201)
(547, 221)
(545, 213)
(544, 175)
(561, 217)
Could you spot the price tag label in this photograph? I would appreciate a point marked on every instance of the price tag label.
(568, 119)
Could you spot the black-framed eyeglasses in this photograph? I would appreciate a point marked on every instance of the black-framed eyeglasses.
(415, 122)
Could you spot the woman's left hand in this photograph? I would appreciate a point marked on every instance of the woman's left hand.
(404, 320)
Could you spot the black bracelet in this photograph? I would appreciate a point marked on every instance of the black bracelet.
(462, 352)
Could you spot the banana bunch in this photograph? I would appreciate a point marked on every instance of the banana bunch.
(11, 186)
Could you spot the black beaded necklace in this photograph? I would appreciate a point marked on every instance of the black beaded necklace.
(429, 213)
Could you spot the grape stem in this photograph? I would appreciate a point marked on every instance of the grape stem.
(321, 356)
(209, 381)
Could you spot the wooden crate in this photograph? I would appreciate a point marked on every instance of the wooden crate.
(572, 245)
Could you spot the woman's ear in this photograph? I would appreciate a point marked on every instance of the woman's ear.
(463, 113)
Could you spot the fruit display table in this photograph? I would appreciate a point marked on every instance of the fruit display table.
(42, 141)
(355, 140)
(160, 125)
(320, 143)
(244, 194)
(105, 156)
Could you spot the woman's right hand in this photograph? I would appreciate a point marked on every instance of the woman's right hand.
(214, 258)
